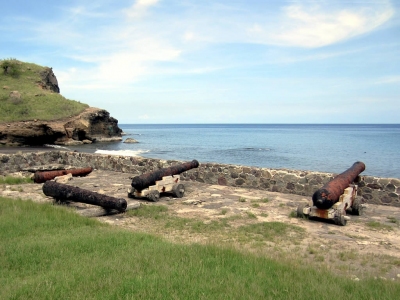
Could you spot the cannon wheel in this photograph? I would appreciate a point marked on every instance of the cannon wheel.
(357, 208)
(339, 218)
(300, 213)
(154, 196)
(178, 190)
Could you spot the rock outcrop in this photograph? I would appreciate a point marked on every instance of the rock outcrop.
(49, 80)
(92, 125)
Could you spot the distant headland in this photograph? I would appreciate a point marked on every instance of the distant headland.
(34, 113)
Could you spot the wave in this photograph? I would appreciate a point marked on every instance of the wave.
(245, 149)
(121, 152)
(56, 147)
(254, 149)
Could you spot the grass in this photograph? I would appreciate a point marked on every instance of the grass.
(392, 220)
(48, 252)
(149, 211)
(35, 102)
(378, 226)
(15, 180)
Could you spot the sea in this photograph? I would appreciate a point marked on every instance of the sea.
(329, 148)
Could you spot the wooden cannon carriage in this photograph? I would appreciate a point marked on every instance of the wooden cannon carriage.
(336, 198)
(166, 180)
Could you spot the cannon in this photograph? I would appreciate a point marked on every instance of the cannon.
(336, 197)
(43, 176)
(164, 180)
(63, 192)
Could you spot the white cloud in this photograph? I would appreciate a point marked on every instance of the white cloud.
(316, 26)
(139, 8)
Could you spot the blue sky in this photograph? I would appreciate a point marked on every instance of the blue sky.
(238, 61)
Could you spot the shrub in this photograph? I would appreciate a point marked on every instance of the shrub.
(11, 67)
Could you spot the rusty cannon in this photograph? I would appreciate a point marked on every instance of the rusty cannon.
(151, 184)
(63, 192)
(43, 176)
(336, 197)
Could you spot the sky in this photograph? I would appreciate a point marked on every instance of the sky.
(237, 61)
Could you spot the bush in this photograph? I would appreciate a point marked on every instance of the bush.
(11, 67)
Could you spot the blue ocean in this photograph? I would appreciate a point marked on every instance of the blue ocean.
(324, 148)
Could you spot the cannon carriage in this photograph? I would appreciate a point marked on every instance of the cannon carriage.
(167, 180)
(336, 199)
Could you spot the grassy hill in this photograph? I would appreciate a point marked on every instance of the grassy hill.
(23, 96)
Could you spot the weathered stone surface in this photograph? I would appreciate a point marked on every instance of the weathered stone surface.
(239, 181)
(93, 125)
(49, 80)
(222, 181)
(390, 187)
(386, 200)
(130, 141)
(374, 186)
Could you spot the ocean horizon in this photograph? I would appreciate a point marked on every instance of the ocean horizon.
(329, 148)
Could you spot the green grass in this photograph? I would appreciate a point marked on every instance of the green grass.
(35, 103)
(48, 252)
(379, 226)
(149, 211)
(15, 180)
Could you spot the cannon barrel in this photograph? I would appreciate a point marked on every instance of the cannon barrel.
(330, 193)
(145, 180)
(43, 176)
(63, 192)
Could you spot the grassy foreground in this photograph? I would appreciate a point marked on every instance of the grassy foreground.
(33, 102)
(48, 252)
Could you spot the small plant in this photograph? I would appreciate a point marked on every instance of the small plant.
(255, 205)
(281, 205)
(392, 220)
(293, 214)
(15, 180)
(264, 200)
(224, 211)
(149, 211)
(251, 215)
(319, 258)
(11, 67)
(378, 226)
(347, 255)
(242, 199)
(264, 215)
(311, 250)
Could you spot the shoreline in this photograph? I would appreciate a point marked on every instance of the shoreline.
(6, 150)
(15, 150)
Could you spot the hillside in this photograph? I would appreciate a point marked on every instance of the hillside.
(29, 91)
(33, 112)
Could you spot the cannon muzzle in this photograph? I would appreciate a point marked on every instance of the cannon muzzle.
(330, 193)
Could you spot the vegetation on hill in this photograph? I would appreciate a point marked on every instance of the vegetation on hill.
(23, 97)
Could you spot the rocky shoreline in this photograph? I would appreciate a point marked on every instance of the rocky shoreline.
(92, 125)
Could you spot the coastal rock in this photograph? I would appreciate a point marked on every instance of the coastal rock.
(130, 141)
(93, 124)
(49, 80)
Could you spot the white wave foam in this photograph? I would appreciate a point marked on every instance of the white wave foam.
(121, 152)
(55, 146)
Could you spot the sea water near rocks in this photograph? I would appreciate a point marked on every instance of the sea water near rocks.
(324, 148)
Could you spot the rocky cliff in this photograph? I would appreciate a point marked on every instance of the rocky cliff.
(33, 113)
(92, 125)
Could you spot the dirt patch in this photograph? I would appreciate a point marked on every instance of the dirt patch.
(368, 246)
